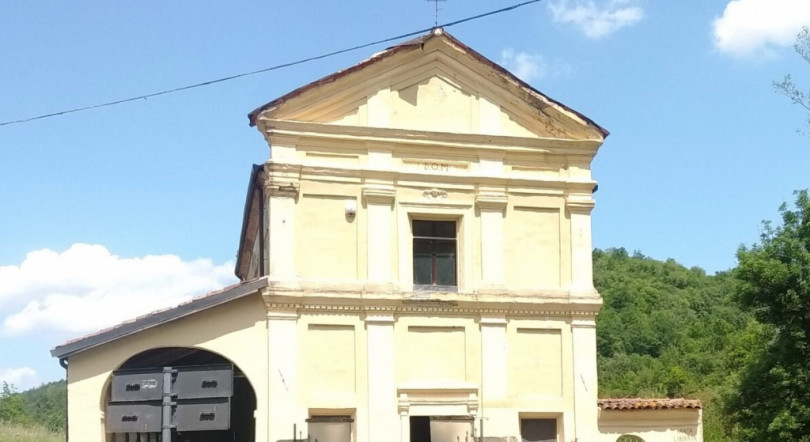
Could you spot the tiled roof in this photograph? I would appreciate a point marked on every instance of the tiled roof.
(159, 317)
(647, 404)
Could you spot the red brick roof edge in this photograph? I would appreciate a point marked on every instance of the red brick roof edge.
(648, 404)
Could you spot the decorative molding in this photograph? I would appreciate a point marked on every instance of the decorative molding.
(497, 320)
(582, 318)
(380, 317)
(434, 194)
(282, 189)
(282, 314)
(580, 204)
(438, 395)
(379, 195)
(491, 201)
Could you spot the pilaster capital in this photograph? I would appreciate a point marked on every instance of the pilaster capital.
(491, 201)
(379, 194)
(281, 312)
(586, 322)
(493, 320)
(579, 204)
(380, 317)
(282, 189)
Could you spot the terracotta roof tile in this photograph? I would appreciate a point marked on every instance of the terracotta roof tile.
(647, 404)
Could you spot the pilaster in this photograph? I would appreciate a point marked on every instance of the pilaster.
(579, 209)
(491, 206)
(379, 202)
(281, 192)
(583, 337)
(283, 408)
(383, 417)
(494, 370)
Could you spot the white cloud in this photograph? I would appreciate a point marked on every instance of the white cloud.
(525, 66)
(597, 19)
(750, 26)
(86, 288)
(22, 378)
(529, 67)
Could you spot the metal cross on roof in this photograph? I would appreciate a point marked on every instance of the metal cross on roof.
(436, 5)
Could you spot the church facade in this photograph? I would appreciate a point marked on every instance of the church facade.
(414, 265)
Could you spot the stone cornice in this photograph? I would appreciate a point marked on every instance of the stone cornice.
(303, 131)
(384, 314)
(356, 173)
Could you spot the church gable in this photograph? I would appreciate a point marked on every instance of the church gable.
(433, 84)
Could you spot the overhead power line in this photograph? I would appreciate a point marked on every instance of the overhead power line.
(260, 71)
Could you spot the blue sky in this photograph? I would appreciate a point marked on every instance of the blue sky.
(117, 211)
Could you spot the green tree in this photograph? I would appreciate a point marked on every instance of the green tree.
(11, 405)
(772, 401)
(668, 330)
(787, 86)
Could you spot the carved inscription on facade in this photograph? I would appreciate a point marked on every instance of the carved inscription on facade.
(435, 166)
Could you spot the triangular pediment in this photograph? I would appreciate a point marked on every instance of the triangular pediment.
(433, 84)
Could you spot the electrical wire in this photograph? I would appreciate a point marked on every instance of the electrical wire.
(272, 68)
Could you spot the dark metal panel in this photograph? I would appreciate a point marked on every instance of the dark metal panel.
(203, 414)
(204, 382)
(137, 385)
(141, 417)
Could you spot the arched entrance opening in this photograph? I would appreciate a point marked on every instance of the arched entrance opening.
(629, 438)
(204, 366)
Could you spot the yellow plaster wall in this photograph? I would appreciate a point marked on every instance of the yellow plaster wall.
(437, 349)
(535, 363)
(533, 242)
(235, 330)
(332, 361)
(326, 240)
(436, 353)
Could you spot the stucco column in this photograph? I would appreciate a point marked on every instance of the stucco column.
(379, 200)
(494, 374)
(281, 192)
(583, 337)
(491, 207)
(383, 416)
(579, 210)
(283, 408)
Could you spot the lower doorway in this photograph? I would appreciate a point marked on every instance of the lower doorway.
(442, 429)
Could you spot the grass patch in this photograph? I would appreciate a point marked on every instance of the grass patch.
(35, 433)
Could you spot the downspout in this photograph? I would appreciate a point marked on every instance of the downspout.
(64, 363)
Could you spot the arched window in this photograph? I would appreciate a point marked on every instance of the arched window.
(629, 438)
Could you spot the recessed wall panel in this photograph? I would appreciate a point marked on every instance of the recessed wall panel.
(329, 359)
(436, 353)
(326, 241)
(533, 242)
(535, 362)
